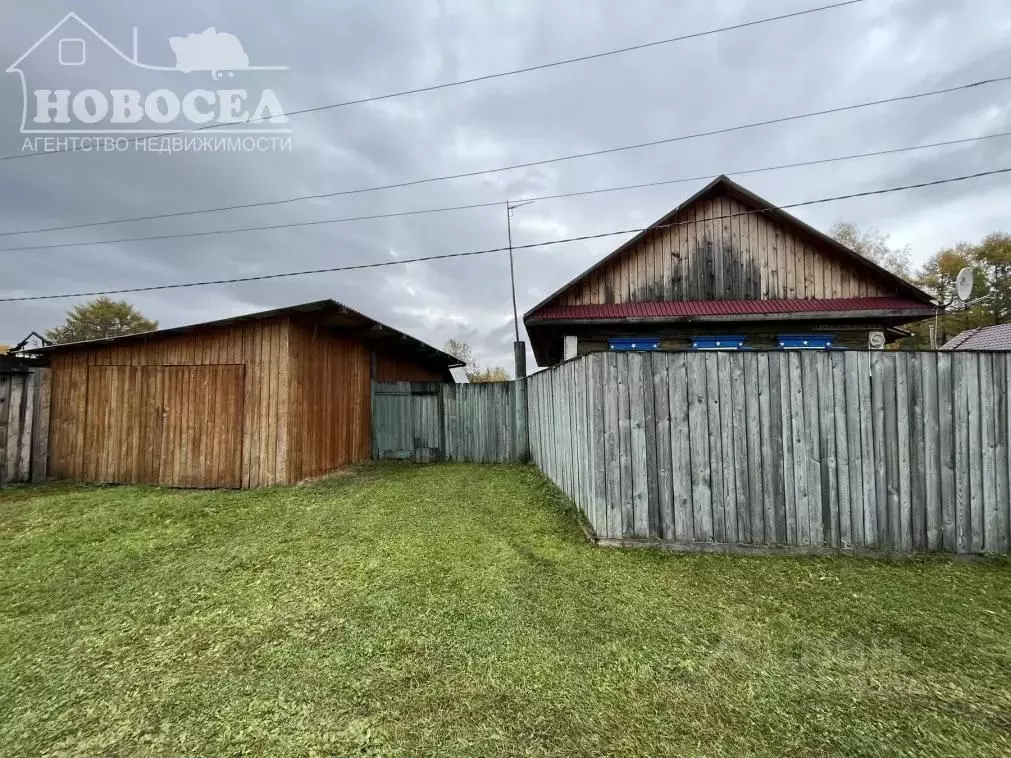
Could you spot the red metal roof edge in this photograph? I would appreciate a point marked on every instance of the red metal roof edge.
(682, 308)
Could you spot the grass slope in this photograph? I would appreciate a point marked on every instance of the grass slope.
(457, 610)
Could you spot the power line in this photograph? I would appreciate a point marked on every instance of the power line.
(476, 79)
(471, 206)
(528, 164)
(444, 256)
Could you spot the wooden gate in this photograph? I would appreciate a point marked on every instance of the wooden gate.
(407, 421)
(421, 421)
(176, 426)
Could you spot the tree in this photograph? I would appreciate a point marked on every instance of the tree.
(873, 244)
(100, 318)
(461, 350)
(496, 374)
(991, 261)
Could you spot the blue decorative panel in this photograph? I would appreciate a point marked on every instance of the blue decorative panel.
(719, 342)
(806, 341)
(634, 343)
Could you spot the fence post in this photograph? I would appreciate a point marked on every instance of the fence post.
(521, 431)
(40, 426)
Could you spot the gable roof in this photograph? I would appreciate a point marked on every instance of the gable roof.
(724, 185)
(327, 313)
(982, 338)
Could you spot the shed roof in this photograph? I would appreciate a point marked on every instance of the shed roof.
(982, 338)
(328, 314)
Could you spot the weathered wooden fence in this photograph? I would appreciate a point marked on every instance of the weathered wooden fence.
(881, 451)
(424, 421)
(24, 424)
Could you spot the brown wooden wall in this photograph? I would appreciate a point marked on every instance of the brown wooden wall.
(261, 348)
(391, 368)
(330, 413)
(706, 256)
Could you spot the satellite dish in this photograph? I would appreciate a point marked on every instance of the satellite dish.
(963, 284)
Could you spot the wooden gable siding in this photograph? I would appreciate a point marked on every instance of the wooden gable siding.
(330, 412)
(261, 347)
(716, 249)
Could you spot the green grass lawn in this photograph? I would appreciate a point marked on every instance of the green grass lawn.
(458, 610)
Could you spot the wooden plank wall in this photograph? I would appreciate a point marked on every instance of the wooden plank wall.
(330, 408)
(24, 425)
(717, 250)
(884, 452)
(479, 422)
(393, 368)
(452, 422)
(261, 346)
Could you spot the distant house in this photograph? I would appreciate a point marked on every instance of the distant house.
(984, 338)
(265, 398)
(725, 270)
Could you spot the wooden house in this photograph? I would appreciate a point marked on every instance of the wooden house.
(266, 398)
(725, 270)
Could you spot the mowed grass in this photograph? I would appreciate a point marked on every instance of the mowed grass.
(457, 610)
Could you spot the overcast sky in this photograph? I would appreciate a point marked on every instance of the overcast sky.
(340, 50)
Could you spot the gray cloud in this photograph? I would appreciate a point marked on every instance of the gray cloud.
(343, 50)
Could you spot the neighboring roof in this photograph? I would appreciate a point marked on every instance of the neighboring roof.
(729, 187)
(690, 309)
(328, 313)
(983, 338)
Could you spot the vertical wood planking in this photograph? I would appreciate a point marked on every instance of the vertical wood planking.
(842, 452)
(860, 454)
(680, 449)
(652, 505)
(960, 388)
(755, 388)
(859, 462)
(917, 452)
(741, 453)
(801, 454)
(715, 444)
(625, 447)
(662, 409)
(698, 424)
(1002, 378)
(931, 451)
(637, 412)
(612, 451)
(987, 520)
(902, 422)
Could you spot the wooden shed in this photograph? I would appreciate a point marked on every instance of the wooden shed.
(266, 398)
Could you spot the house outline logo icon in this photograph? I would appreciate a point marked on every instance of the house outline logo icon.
(219, 55)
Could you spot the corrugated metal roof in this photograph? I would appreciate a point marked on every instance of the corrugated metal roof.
(701, 308)
(984, 338)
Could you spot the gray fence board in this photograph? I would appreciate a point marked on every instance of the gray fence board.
(427, 421)
(681, 464)
(24, 425)
(885, 452)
